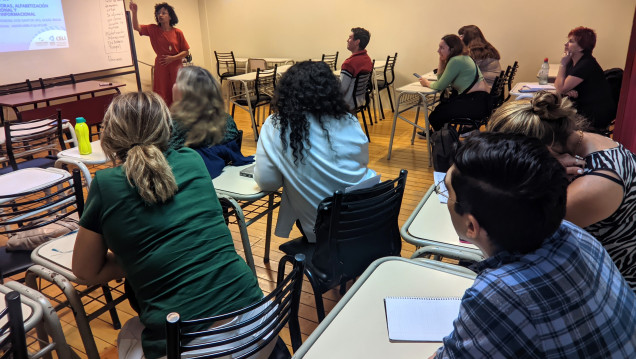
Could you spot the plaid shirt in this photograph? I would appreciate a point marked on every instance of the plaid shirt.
(565, 300)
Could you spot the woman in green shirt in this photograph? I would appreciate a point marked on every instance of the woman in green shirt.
(458, 70)
(156, 220)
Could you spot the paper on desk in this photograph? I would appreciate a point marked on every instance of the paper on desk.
(438, 178)
(536, 87)
(367, 183)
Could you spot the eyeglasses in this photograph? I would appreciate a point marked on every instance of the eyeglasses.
(441, 190)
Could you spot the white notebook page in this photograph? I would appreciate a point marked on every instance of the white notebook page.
(420, 319)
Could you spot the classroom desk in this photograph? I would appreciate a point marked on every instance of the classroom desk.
(430, 225)
(516, 90)
(53, 262)
(356, 327)
(414, 95)
(29, 179)
(34, 97)
(231, 187)
(271, 61)
(72, 156)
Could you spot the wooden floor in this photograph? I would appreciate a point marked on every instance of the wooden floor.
(414, 158)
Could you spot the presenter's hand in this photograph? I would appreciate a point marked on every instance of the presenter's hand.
(166, 59)
(132, 6)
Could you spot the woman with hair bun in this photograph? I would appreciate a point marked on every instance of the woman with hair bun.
(482, 51)
(602, 194)
(311, 146)
(155, 219)
(581, 78)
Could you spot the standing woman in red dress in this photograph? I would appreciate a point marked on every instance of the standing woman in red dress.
(169, 44)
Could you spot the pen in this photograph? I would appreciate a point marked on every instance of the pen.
(61, 251)
(105, 84)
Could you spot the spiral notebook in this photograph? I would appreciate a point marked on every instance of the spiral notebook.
(420, 319)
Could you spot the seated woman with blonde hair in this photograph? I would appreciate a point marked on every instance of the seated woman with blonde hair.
(155, 219)
(602, 195)
(201, 123)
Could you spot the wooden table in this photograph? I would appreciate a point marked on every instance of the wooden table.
(34, 97)
(356, 327)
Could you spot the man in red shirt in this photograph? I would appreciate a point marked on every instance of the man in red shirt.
(359, 61)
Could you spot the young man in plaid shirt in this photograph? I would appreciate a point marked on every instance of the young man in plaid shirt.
(547, 289)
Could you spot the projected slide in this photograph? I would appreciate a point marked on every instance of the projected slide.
(32, 25)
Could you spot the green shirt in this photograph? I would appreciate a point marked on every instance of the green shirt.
(459, 73)
(178, 256)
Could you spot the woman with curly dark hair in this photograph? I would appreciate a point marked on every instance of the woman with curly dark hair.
(169, 44)
(311, 145)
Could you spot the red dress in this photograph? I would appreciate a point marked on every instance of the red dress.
(169, 42)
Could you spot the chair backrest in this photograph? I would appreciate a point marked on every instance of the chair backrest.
(389, 70)
(25, 139)
(361, 90)
(256, 64)
(511, 75)
(39, 207)
(14, 345)
(354, 229)
(497, 91)
(265, 83)
(280, 307)
(225, 64)
(614, 78)
(331, 60)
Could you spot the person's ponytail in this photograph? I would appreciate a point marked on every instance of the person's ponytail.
(136, 132)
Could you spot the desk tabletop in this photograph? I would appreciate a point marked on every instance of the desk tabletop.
(97, 157)
(232, 184)
(356, 327)
(416, 87)
(29, 179)
(430, 224)
(56, 92)
(516, 89)
(58, 251)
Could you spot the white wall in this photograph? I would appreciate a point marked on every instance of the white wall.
(526, 31)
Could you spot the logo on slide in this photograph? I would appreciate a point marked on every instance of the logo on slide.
(49, 38)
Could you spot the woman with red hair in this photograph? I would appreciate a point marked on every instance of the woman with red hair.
(581, 78)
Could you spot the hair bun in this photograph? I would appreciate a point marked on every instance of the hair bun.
(546, 105)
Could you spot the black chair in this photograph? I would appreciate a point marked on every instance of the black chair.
(280, 308)
(226, 65)
(331, 60)
(352, 230)
(26, 140)
(614, 78)
(361, 98)
(14, 344)
(33, 209)
(262, 95)
(387, 81)
(465, 125)
(509, 76)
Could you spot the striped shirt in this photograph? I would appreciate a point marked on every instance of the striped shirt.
(617, 232)
(564, 300)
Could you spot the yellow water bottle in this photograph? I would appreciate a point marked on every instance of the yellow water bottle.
(83, 140)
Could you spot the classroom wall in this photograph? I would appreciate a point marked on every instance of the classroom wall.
(526, 31)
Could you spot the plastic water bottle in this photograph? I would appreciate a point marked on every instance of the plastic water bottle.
(83, 140)
(544, 72)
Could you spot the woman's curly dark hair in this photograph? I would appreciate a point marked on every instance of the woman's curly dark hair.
(173, 15)
(306, 88)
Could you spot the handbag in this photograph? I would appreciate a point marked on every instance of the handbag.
(444, 145)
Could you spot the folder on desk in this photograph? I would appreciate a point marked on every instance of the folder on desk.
(420, 319)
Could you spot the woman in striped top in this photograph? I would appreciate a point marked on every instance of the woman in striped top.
(602, 194)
